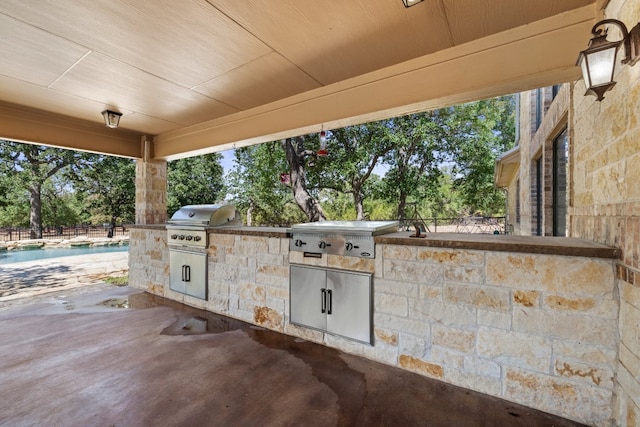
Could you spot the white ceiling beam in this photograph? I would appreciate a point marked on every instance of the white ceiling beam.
(38, 127)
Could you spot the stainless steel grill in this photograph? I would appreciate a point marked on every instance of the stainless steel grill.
(349, 238)
(187, 238)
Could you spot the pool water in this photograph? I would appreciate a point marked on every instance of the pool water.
(7, 257)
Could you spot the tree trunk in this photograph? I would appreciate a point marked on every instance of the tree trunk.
(358, 202)
(249, 216)
(402, 205)
(35, 217)
(295, 157)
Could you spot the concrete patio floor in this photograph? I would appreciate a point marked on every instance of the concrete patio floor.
(80, 359)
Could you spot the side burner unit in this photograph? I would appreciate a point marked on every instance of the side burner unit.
(187, 239)
(331, 300)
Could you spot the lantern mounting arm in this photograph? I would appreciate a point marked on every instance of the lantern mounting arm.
(626, 40)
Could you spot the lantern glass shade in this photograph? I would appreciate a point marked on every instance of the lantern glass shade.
(598, 64)
(597, 67)
(111, 118)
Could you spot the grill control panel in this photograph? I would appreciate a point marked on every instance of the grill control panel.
(361, 246)
(187, 237)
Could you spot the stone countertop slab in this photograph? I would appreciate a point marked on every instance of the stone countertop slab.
(562, 246)
(547, 245)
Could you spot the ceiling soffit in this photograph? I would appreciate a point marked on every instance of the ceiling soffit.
(171, 67)
(495, 65)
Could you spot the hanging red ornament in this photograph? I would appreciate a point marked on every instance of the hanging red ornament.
(323, 145)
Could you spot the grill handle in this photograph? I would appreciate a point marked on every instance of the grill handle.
(186, 273)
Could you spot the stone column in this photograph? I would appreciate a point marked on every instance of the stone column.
(151, 187)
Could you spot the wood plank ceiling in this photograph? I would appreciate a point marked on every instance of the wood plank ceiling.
(204, 75)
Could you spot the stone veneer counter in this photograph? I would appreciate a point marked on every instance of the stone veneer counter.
(547, 245)
(533, 320)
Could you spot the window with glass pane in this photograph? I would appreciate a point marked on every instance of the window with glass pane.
(560, 155)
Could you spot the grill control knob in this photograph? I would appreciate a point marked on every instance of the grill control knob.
(181, 237)
(174, 236)
(323, 244)
(298, 243)
(189, 237)
(197, 238)
(350, 246)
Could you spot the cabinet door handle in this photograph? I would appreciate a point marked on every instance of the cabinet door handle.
(323, 300)
(330, 301)
(186, 273)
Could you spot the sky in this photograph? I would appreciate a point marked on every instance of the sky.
(227, 160)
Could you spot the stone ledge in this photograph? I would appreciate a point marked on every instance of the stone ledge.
(561, 246)
(251, 231)
(79, 241)
(233, 230)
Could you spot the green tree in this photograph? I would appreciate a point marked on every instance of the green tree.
(485, 131)
(107, 187)
(420, 146)
(299, 156)
(257, 188)
(354, 153)
(447, 202)
(14, 200)
(60, 206)
(194, 180)
(30, 166)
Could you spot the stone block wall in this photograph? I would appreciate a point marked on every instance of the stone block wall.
(151, 192)
(249, 278)
(606, 199)
(149, 260)
(539, 330)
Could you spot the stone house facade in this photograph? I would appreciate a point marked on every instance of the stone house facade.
(575, 172)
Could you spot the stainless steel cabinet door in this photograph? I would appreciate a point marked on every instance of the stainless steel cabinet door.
(188, 273)
(307, 293)
(349, 307)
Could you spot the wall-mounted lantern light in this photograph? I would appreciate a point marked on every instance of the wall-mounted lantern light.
(111, 118)
(599, 59)
(409, 3)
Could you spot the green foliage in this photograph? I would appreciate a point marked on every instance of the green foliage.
(117, 280)
(340, 206)
(337, 206)
(256, 189)
(14, 205)
(487, 131)
(441, 161)
(354, 152)
(106, 186)
(421, 142)
(29, 166)
(60, 205)
(194, 180)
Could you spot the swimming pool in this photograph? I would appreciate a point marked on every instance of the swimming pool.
(7, 257)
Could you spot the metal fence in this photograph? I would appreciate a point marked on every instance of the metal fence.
(93, 231)
(466, 224)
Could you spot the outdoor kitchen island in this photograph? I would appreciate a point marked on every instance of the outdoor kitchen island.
(532, 320)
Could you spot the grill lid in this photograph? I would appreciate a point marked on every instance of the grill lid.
(206, 215)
